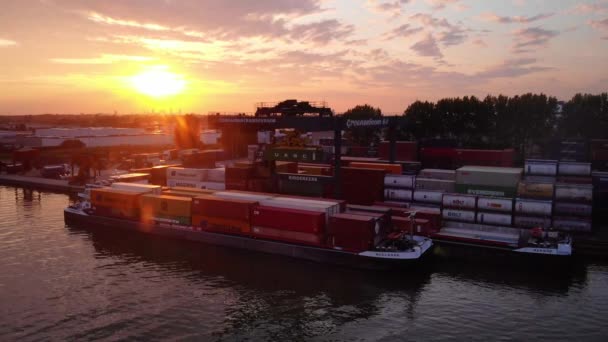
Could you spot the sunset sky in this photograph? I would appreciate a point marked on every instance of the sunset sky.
(78, 56)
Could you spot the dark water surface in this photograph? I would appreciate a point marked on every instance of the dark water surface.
(67, 283)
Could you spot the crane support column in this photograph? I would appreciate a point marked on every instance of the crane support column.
(337, 156)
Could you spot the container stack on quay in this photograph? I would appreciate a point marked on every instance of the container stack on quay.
(453, 158)
(488, 180)
(399, 188)
(599, 155)
(214, 179)
(600, 196)
(404, 150)
(573, 203)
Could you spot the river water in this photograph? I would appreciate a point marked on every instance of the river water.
(67, 283)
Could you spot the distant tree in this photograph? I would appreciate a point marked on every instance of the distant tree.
(585, 116)
(532, 118)
(187, 132)
(360, 135)
(421, 121)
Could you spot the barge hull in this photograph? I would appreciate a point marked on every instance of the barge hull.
(321, 255)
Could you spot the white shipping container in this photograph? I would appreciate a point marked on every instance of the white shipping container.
(214, 185)
(139, 188)
(533, 207)
(185, 183)
(523, 221)
(435, 184)
(459, 201)
(540, 179)
(265, 137)
(541, 167)
(495, 204)
(576, 209)
(494, 218)
(281, 203)
(571, 224)
(216, 175)
(458, 215)
(243, 196)
(196, 175)
(574, 169)
(428, 196)
(399, 181)
(335, 207)
(432, 208)
(449, 175)
(574, 192)
(398, 195)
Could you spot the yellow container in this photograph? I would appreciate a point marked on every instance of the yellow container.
(535, 190)
(165, 206)
(113, 198)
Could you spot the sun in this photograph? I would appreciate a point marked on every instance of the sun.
(158, 82)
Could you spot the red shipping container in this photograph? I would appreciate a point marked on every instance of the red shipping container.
(438, 157)
(286, 167)
(574, 180)
(382, 220)
(485, 157)
(421, 226)
(236, 185)
(289, 236)
(404, 150)
(288, 219)
(353, 233)
(222, 207)
(238, 173)
(599, 154)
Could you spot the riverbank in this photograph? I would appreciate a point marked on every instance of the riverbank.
(40, 183)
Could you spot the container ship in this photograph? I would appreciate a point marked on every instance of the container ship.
(321, 230)
(500, 210)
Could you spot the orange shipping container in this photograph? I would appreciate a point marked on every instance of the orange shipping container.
(164, 205)
(390, 168)
(112, 198)
(221, 225)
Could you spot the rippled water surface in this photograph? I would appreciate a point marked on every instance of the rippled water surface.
(59, 282)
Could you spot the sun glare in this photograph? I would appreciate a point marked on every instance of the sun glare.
(158, 82)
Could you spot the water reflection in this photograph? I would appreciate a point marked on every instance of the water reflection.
(303, 298)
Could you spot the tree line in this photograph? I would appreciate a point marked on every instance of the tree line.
(497, 121)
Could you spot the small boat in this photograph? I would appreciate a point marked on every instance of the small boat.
(536, 241)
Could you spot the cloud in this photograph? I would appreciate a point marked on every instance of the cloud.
(513, 68)
(321, 32)
(532, 37)
(600, 25)
(402, 31)
(441, 4)
(448, 34)
(430, 21)
(514, 19)
(100, 18)
(103, 59)
(480, 43)
(596, 7)
(427, 47)
(390, 7)
(7, 43)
